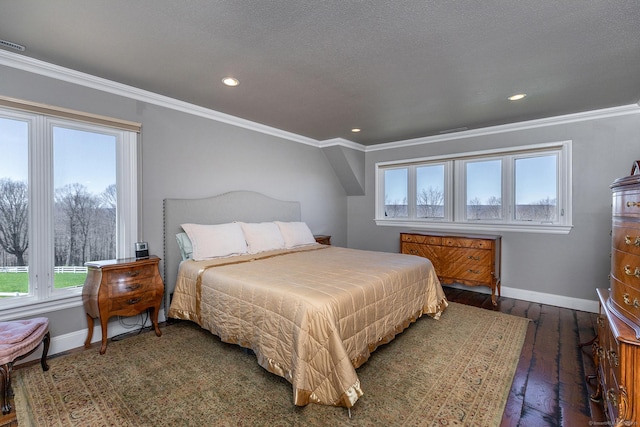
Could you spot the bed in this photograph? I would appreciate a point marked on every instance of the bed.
(311, 313)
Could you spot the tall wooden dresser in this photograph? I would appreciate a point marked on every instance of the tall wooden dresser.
(617, 350)
(467, 260)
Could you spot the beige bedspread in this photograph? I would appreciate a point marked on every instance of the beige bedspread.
(311, 315)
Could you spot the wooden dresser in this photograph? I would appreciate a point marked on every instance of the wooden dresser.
(468, 260)
(617, 349)
(121, 287)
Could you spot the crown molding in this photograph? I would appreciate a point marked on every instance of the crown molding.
(42, 68)
(57, 72)
(342, 142)
(514, 127)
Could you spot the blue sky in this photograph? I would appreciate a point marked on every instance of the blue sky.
(535, 180)
(80, 157)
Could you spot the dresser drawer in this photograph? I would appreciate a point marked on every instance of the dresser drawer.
(468, 273)
(627, 203)
(472, 257)
(425, 251)
(626, 237)
(467, 243)
(625, 267)
(626, 298)
(420, 238)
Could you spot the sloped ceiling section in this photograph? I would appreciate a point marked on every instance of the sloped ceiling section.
(348, 165)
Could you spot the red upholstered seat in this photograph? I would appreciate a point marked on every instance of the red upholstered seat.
(18, 339)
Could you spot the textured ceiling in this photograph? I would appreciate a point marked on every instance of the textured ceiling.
(397, 69)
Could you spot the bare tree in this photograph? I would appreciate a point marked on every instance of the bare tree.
(105, 229)
(494, 207)
(474, 208)
(430, 202)
(546, 209)
(14, 218)
(79, 207)
(396, 208)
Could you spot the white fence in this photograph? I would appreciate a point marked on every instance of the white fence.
(61, 269)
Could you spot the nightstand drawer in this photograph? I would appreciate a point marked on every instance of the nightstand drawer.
(135, 302)
(118, 276)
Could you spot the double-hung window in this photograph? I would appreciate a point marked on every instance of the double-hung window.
(519, 189)
(68, 195)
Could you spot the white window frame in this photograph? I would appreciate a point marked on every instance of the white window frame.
(455, 192)
(43, 297)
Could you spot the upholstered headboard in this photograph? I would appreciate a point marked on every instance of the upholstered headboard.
(245, 206)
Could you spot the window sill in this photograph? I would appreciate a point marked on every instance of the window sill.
(457, 227)
(28, 308)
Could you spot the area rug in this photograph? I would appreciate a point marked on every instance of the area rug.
(454, 371)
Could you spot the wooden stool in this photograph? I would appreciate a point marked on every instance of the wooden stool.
(18, 339)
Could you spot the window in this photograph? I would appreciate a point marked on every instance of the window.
(68, 195)
(524, 189)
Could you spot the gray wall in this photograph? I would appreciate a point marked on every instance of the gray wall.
(186, 156)
(570, 265)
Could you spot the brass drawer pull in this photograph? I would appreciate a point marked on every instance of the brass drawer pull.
(133, 301)
(474, 271)
(613, 356)
(633, 204)
(475, 258)
(413, 252)
(133, 273)
(627, 300)
(628, 272)
(133, 287)
(629, 240)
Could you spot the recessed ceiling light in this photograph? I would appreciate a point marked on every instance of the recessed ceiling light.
(230, 81)
(517, 97)
(356, 130)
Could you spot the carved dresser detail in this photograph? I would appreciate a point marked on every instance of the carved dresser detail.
(617, 349)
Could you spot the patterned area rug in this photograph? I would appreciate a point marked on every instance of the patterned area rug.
(454, 371)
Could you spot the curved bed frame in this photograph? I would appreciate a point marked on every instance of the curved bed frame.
(245, 206)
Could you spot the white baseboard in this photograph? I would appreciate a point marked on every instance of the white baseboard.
(539, 297)
(72, 340)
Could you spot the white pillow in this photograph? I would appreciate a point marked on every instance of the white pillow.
(263, 236)
(214, 241)
(295, 234)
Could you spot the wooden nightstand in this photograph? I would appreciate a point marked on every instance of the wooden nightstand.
(121, 287)
(325, 240)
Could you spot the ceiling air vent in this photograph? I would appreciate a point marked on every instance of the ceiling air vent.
(12, 45)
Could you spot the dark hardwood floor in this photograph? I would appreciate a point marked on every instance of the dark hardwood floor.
(549, 388)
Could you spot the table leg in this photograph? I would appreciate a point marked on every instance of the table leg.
(87, 342)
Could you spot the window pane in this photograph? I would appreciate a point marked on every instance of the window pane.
(430, 191)
(395, 193)
(536, 188)
(85, 202)
(14, 208)
(484, 190)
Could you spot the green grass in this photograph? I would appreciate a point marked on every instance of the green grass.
(19, 282)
